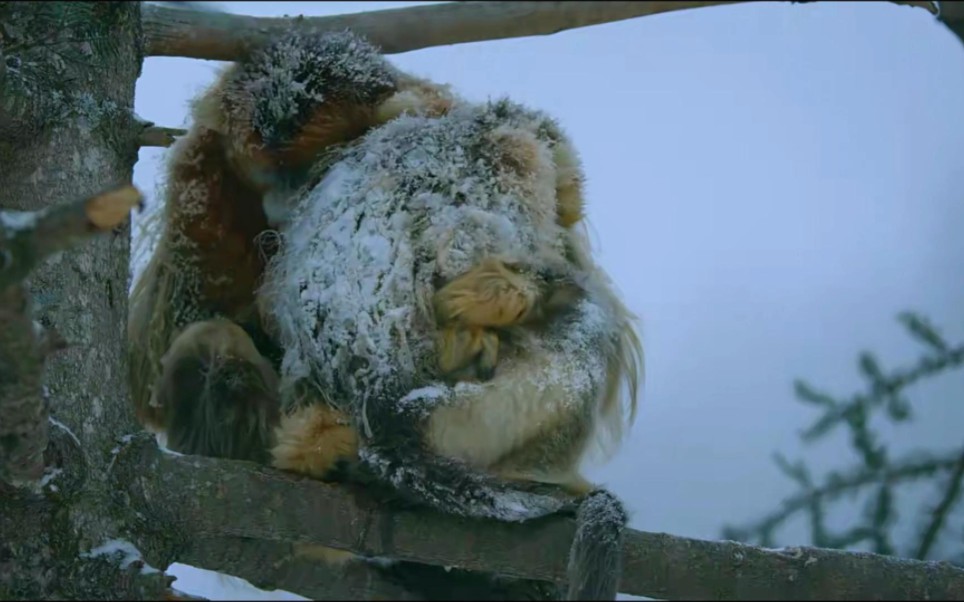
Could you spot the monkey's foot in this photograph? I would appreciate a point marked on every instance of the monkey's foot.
(313, 440)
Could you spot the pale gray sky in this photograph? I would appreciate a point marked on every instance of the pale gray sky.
(769, 185)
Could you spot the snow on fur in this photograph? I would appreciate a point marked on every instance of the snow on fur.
(301, 71)
(416, 199)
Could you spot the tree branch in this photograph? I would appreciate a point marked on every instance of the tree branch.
(26, 238)
(904, 470)
(159, 136)
(291, 567)
(226, 37)
(210, 498)
(940, 513)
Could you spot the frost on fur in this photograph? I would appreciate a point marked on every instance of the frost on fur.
(417, 199)
(302, 71)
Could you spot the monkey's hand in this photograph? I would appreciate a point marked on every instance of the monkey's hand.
(489, 300)
(467, 353)
(470, 308)
(493, 294)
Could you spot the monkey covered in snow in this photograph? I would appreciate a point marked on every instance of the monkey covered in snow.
(361, 275)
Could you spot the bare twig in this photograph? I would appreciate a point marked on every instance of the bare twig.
(227, 37)
(899, 471)
(25, 240)
(239, 499)
(23, 415)
(159, 136)
(940, 513)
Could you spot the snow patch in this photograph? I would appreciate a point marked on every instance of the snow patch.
(19, 220)
(63, 427)
(128, 552)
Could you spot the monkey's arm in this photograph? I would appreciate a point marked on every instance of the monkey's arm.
(206, 263)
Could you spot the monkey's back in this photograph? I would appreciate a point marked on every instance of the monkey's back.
(415, 202)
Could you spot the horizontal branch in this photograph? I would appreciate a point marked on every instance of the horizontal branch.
(159, 136)
(210, 498)
(226, 37)
(26, 238)
(272, 565)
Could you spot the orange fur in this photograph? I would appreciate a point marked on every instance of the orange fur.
(331, 123)
(223, 229)
(489, 295)
(312, 439)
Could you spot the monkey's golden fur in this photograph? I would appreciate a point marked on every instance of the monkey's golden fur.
(200, 295)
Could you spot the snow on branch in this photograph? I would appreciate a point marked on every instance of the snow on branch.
(209, 499)
(26, 238)
(226, 37)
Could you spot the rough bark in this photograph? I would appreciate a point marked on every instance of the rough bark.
(209, 499)
(26, 239)
(288, 566)
(67, 132)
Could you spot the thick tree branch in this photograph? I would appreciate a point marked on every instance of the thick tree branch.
(292, 567)
(227, 37)
(26, 238)
(215, 498)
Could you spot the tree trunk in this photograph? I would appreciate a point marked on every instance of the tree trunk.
(67, 77)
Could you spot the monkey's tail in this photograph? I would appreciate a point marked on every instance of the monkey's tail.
(409, 476)
(595, 557)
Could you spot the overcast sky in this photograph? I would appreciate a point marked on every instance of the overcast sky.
(768, 184)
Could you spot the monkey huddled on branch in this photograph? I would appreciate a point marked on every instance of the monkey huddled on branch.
(362, 276)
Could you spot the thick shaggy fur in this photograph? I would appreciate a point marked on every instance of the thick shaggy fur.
(405, 274)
